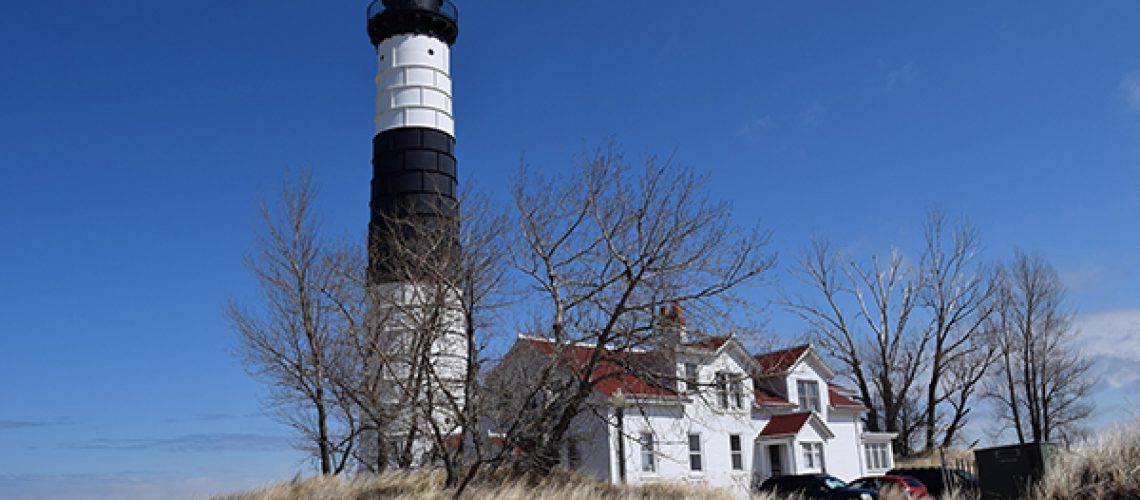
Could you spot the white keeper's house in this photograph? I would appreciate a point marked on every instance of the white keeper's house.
(726, 417)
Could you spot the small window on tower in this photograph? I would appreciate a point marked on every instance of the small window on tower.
(431, 52)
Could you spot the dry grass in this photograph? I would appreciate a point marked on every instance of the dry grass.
(429, 485)
(953, 457)
(1107, 469)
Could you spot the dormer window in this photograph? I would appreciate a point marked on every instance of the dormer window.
(809, 395)
(730, 390)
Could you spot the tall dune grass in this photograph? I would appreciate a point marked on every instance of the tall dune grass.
(1108, 468)
(427, 484)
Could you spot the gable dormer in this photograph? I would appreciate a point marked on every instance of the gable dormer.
(800, 375)
(721, 366)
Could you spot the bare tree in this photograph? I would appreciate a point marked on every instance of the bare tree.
(1041, 386)
(604, 250)
(864, 320)
(901, 330)
(288, 342)
(413, 358)
(958, 297)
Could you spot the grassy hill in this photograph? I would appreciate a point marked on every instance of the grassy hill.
(1108, 469)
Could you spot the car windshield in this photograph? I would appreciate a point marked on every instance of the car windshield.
(833, 482)
(913, 482)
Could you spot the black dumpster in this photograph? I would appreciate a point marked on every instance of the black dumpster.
(1008, 472)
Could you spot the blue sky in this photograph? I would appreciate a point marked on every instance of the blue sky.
(136, 138)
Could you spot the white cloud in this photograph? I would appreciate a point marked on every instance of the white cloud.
(1112, 341)
(1114, 334)
(1083, 278)
(1130, 90)
(193, 443)
(129, 485)
(755, 127)
(901, 75)
(811, 116)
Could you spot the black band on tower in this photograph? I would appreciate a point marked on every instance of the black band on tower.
(413, 190)
(438, 18)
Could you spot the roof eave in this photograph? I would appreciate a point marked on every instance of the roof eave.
(634, 400)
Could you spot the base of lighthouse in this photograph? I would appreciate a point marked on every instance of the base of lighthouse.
(420, 330)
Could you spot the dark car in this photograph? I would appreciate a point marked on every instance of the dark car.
(900, 486)
(940, 480)
(816, 486)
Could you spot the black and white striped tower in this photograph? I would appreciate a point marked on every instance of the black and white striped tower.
(414, 208)
(413, 152)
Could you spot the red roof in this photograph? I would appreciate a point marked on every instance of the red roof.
(518, 449)
(840, 400)
(764, 396)
(453, 441)
(712, 343)
(782, 360)
(610, 375)
(780, 425)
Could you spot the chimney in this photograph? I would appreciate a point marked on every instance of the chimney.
(672, 318)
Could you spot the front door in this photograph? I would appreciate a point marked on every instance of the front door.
(775, 460)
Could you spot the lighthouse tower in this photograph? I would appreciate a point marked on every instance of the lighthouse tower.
(414, 210)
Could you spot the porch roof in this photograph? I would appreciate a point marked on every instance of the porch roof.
(791, 424)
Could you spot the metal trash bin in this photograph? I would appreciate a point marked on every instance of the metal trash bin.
(1009, 472)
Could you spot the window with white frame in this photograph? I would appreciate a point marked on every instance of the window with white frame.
(813, 455)
(736, 391)
(809, 395)
(695, 464)
(722, 389)
(730, 390)
(878, 456)
(736, 451)
(648, 458)
(690, 374)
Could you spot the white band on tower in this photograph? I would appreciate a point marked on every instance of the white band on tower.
(413, 84)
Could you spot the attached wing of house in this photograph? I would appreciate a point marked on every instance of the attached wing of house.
(709, 411)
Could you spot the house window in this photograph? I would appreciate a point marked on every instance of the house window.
(736, 451)
(722, 389)
(695, 453)
(648, 459)
(878, 456)
(690, 375)
(729, 391)
(809, 395)
(813, 455)
(573, 454)
(736, 388)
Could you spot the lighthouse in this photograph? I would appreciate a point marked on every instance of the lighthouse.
(414, 212)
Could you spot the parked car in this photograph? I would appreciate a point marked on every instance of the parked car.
(899, 486)
(939, 480)
(816, 486)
